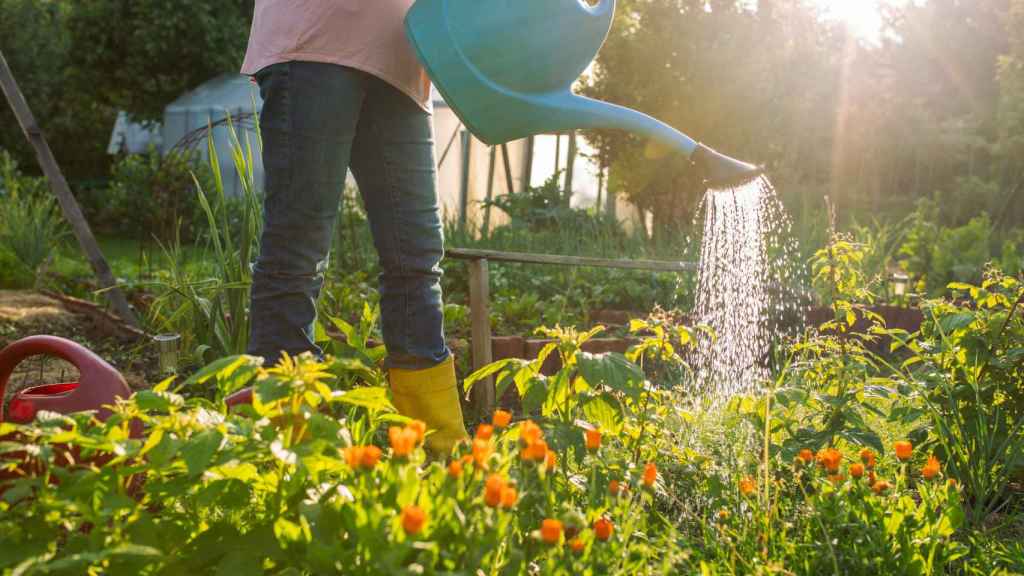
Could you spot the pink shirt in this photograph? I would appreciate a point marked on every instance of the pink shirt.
(367, 35)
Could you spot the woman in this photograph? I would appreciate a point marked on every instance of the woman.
(342, 88)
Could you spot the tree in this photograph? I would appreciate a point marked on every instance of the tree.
(138, 55)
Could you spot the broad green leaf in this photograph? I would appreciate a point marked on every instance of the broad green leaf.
(152, 401)
(374, 398)
(198, 451)
(612, 370)
(489, 370)
(605, 411)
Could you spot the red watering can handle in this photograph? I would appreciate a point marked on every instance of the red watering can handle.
(90, 366)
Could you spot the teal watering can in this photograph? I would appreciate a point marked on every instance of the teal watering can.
(506, 67)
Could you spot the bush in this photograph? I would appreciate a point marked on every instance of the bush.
(152, 196)
(31, 225)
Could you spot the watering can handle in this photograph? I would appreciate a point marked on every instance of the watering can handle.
(85, 360)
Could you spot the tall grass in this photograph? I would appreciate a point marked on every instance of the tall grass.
(210, 309)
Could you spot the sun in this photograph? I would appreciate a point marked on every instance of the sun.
(863, 17)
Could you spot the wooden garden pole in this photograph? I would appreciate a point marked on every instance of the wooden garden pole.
(480, 335)
(59, 186)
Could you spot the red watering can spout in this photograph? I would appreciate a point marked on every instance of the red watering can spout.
(98, 384)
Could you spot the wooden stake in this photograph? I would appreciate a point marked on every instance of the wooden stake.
(480, 333)
(59, 186)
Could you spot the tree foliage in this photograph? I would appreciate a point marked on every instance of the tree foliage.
(932, 108)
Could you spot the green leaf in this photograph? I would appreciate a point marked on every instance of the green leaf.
(954, 322)
(152, 401)
(605, 411)
(373, 398)
(198, 451)
(489, 370)
(612, 370)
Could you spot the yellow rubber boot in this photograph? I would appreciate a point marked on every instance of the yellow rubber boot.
(431, 395)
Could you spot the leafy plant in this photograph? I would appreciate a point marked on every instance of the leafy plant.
(31, 225)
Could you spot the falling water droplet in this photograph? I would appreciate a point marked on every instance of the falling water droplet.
(749, 290)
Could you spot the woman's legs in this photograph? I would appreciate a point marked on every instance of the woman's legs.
(309, 122)
(393, 162)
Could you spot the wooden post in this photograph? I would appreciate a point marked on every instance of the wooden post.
(485, 230)
(480, 334)
(508, 169)
(59, 186)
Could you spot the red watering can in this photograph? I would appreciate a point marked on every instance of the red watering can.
(98, 384)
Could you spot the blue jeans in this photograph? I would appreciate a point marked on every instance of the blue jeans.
(319, 120)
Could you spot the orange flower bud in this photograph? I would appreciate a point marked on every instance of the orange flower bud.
(857, 470)
(501, 418)
(829, 459)
(492, 490)
(650, 474)
(903, 450)
(868, 458)
(723, 515)
(747, 486)
(403, 440)
(484, 431)
(615, 487)
(550, 460)
(529, 432)
(551, 530)
(872, 478)
(836, 478)
(455, 469)
(932, 469)
(481, 451)
(371, 455)
(354, 455)
(603, 529)
(413, 519)
(881, 487)
(420, 427)
(509, 496)
(593, 438)
(807, 455)
(535, 451)
(576, 545)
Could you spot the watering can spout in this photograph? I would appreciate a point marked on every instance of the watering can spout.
(716, 169)
(506, 68)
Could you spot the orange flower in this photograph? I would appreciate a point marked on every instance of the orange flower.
(365, 457)
(903, 450)
(354, 455)
(829, 459)
(529, 432)
(951, 482)
(603, 529)
(932, 469)
(420, 427)
(868, 458)
(484, 431)
(836, 478)
(872, 478)
(807, 455)
(593, 438)
(536, 451)
(880, 487)
(576, 545)
(455, 469)
(413, 519)
(492, 490)
(857, 470)
(551, 530)
(650, 474)
(371, 455)
(615, 487)
(550, 460)
(481, 451)
(747, 486)
(403, 440)
(501, 418)
(723, 514)
(509, 496)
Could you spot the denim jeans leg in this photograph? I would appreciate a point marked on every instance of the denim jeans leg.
(308, 124)
(393, 162)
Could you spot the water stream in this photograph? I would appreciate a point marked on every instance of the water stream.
(749, 290)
